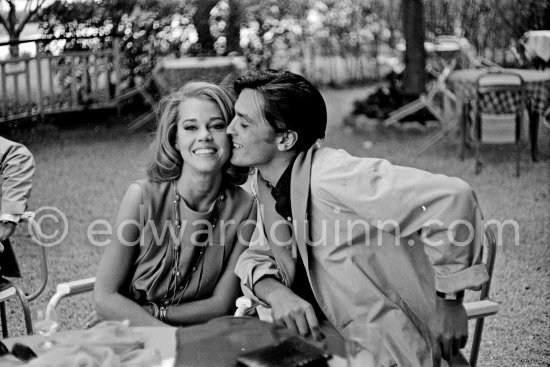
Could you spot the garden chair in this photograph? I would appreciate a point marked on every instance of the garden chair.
(14, 290)
(447, 50)
(426, 101)
(476, 310)
(498, 108)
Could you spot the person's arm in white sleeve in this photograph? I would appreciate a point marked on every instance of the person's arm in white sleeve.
(17, 170)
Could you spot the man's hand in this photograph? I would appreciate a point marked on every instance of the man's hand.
(448, 327)
(288, 309)
(6, 230)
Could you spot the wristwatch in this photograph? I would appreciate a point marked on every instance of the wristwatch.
(451, 296)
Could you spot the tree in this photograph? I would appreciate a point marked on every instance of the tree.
(412, 12)
(14, 21)
(201, 19)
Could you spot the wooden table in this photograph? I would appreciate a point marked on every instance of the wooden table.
(537, 90)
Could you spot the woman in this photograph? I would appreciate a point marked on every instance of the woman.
(180, 232)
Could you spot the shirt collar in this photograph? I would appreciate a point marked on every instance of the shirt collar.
(281, 193)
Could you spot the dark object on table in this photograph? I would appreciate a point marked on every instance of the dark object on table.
(23, 352)
(293, 352)
(218, 342)
(19, 351)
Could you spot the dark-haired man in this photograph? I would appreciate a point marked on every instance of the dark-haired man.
(346, 238)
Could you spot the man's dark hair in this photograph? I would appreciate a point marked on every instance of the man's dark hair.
(290, 103)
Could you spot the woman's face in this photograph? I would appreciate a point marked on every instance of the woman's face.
(201, 137)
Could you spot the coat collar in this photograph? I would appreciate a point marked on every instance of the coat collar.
(299, 193)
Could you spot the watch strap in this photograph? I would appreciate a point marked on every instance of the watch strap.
(451, 296)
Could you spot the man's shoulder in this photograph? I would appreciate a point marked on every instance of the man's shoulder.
(328, 160)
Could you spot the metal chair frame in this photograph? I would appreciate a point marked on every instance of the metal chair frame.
(489, 83)
(15, 290)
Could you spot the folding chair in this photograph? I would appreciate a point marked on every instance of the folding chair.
(426, 101)
(499, 104)
(14, 290)
(476, 310)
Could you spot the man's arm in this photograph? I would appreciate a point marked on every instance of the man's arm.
(443, 209)
(17, 170)
(287, 308)
(264, 282)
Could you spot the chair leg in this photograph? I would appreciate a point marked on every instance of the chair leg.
(3, 319)
(26, 309)
(464, 129)
(518, 143)
(476, 341)
(518, 157)
(534, 118)
(478, 158)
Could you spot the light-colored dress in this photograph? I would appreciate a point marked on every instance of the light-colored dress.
(154, 262)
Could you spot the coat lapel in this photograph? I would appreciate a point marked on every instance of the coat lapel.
(299, 194)
(275, 226)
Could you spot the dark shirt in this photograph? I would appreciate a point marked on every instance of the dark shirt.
(283, 206)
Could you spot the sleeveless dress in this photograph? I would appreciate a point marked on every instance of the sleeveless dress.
(154, 262)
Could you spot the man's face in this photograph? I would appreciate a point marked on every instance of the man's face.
(254, 140)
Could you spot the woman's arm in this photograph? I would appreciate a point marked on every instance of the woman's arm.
(222, 301)
(116, 266)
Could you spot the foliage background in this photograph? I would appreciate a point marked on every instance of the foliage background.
(329, 41)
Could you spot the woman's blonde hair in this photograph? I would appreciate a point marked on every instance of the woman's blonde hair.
(166, 162)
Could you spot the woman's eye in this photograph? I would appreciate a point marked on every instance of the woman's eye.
(244, 125)
(218, 126)
(189, 128)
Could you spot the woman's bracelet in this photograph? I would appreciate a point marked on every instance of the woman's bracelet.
(155, 310)
(162, 314)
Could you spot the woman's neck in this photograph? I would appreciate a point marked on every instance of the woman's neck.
(199, 190)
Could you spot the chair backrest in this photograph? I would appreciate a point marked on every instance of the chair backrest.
(499, 79)
(500, 92)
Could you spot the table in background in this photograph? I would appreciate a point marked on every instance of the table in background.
(537, 92)
(537, 44)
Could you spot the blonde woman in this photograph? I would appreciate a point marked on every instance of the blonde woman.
(176, 266)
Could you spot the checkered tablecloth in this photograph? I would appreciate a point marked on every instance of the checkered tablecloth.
(537, 97)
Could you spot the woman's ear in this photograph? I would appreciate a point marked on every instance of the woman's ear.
(287, 140)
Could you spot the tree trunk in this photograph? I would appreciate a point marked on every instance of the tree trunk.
(14, 49)
(234, 27)
(415, 55)
(201, 20)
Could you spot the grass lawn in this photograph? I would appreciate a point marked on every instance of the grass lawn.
(84, 172)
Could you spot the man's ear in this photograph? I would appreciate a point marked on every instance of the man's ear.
(287, 140)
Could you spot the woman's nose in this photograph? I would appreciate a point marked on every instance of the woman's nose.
(205, 134)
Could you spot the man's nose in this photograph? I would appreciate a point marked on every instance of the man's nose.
(230, 128)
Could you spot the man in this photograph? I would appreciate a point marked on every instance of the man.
(347, 237)
(16, 170)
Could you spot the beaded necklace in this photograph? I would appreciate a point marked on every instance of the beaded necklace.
(175, 276)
